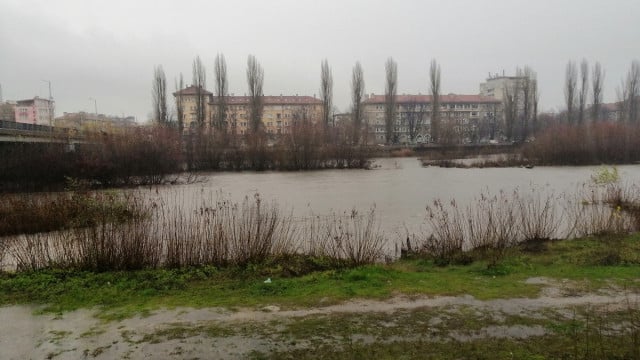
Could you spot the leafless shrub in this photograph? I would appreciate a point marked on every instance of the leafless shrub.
(585, 218)
(447, 225)
(496, 224)
(538, 215)
(349, 237)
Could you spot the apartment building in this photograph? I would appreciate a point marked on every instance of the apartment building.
(464, 118)
(35, 111)
(188, 98)
(83, 122)
(8, 111)
(279, 113)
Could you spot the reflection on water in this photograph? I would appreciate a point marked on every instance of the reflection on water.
(399, 189)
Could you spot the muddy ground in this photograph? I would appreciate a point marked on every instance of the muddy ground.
(216, 333)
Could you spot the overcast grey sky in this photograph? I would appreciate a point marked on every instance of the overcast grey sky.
(107, 49)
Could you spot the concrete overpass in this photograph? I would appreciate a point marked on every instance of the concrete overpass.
(15, 132)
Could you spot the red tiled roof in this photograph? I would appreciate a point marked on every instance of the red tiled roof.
(449, 98)
(274, 100)
(192, 90)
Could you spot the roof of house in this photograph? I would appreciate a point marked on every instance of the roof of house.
(611, 106)
(273, 100)
(449, 98)
(192, 90)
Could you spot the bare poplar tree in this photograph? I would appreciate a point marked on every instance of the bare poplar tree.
(584, 90)
(434, 77)
(570, 82)
(357, 94)
(596, 90)
(535, 95)
(200, 84)
(255, 81)
(391, 89)
(631, 93)
(179, 85)
(511, 100)
(326, 93)
(527, 84)
(159, 96)
(222, 89)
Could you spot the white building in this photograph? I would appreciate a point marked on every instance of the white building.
(463, 118)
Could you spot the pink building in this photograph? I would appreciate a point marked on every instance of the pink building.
(35, 111)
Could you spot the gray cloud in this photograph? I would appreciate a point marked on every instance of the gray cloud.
(107, 49)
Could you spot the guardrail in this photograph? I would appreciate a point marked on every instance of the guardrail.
(32, 128)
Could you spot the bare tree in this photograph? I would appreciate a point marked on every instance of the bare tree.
(179, 85)
(391, 89)
(414, 116)
(222, 89)
(511, 100)
(255, 81)
(631, 93)
(584, 90)
(200, 84)
(570, 82)
(357, 94)
(326, 94)
(434, 77)
(527, 84)
(596, 88)
(535, 95)
(159, 96)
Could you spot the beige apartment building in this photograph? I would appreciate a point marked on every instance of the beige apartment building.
(464, 118)
(84, 122)
(188, 98)
(279, 113)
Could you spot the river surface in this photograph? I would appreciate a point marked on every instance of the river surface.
(398, 188)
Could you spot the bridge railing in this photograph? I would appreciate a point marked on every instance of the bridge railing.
(44, 129)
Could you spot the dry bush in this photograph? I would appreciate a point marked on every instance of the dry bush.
(349, 238)
(108, 243)
(219, 232)
(594, 143)
(405, 152)
(585, 218)
(538, 212)
(496, 225)
(447, 226)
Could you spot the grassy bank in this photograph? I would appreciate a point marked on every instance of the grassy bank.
(583, 265)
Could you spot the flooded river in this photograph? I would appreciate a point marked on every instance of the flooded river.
(399, 189)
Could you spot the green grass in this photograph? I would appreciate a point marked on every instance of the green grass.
(588, 264)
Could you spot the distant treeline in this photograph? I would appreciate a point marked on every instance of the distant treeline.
(150, 155)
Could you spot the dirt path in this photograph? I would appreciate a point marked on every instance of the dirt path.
(225, 334)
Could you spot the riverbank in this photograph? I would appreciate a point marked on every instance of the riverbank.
(569, 299)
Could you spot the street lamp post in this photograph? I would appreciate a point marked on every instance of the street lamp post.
(95, 105)
(50, 106)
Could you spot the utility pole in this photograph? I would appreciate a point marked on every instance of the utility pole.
(50, 106)
(1, 101)
(95, 105)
